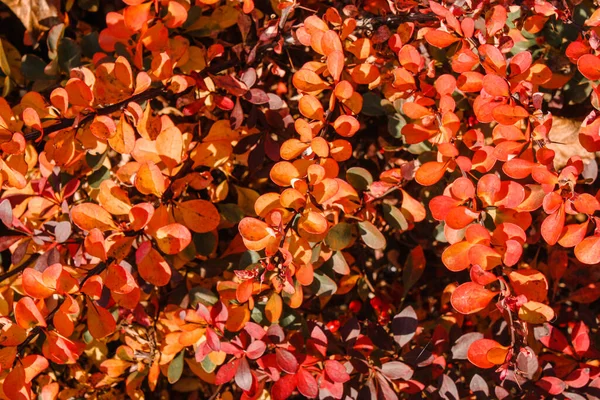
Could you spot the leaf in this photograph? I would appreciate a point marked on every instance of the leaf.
(397, 370)
(169, 144)
(33, 12)
(588, 250)
(226, 373)
(413, 268)
(589, 66)
(394, 217)
(173, 238)
(152, 267)
(100, 321)
(470, 298)
(336, 371)
(286, 360)
(88, 216)
(439, 38)
(448, 390)
(308, 81)
(274, 308)
(175, 368)
(243, 376)
(359, 178)
(150, 180)
(430, 173)
(6, 213)
(335, 64)
(404, 326)
(284, 387)
(34, 365)
(371, 235)
(198, 215)
(479, 386)
(307, 384)
(552, 385)
(479, 350)
(463, 343)
(340, 236)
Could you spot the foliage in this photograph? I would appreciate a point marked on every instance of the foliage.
(232, 199)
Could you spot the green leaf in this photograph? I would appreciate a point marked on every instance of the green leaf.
(176, 368)
(89, 5)
(373, 105)
(339, 263)
(32, 68)
(98, 176)
(202, 295)
(246, 199)
(205, 243)
(359, 178)
(90, 44)
(231, 212)
(394, 217)
(371, 235)
(339, 236)
(248, 258)
(69, 54)
(208, 365)
(323, 285)
(395, 124)
(95, 161)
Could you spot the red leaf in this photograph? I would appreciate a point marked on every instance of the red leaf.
(588, 250)
(226, 373)
(470, 297)
(284, 387)
(307, 384)
(243, 376)
(286, 360)
(552, 385)
(589, 66)
(336, 371)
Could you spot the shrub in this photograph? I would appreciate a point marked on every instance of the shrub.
(393, 199)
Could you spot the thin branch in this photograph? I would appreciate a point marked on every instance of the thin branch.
(19, 269)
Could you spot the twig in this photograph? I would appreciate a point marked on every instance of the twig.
(19, 269)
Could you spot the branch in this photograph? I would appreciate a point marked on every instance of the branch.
(19, 269)
(140, 97)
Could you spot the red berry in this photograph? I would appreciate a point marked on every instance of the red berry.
(333, 326)
(355, 306)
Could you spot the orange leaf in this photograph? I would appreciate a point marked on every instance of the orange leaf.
(173, 238)
(479, 350)
(363, 74)
(152, 267)
(283, 172)
(335, 64)
(34, 365)
(88, 216)
(274, 308)
(200, 216)
(346, 125)
(100, 321)
(169, 144)
(470, 298)
(149, 180)
(27, 314)
(430, 173)
(588, 250)
(536, 313)
(589, 66)
(308, 81)
(439, 38)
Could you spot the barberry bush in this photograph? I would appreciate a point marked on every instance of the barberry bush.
(313, 199)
